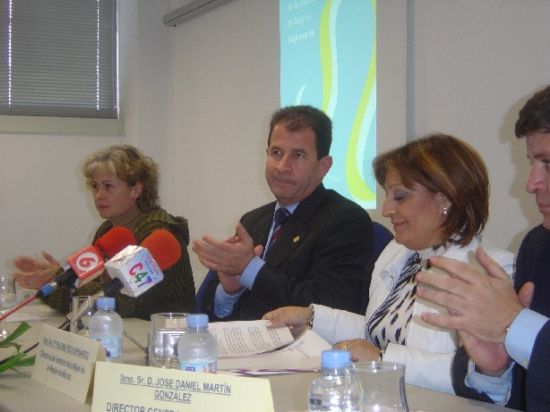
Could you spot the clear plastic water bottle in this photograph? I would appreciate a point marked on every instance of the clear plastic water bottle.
(336, 389)
(197, 347)
(106, 327)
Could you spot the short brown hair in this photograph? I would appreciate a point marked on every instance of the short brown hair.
(302, 117)
(445, 164)
(129, 165)
(534, 116)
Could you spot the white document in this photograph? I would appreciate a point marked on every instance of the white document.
(244, 338)
(303, 355)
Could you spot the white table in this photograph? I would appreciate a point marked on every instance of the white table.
(20, 393)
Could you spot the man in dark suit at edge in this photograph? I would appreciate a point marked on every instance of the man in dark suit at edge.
(321, 252)
(498, 325)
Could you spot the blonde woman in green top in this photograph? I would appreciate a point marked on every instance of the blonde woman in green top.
(124, 186)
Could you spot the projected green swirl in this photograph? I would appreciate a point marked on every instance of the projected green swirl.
(328, 60)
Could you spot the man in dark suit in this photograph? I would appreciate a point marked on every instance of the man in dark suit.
(495, 322)
(319, 253)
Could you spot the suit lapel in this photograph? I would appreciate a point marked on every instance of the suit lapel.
(291, 237)
(260, 229)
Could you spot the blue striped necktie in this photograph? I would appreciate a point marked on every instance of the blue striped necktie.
(281, 215)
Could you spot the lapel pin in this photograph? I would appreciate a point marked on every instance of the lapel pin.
(296, 239)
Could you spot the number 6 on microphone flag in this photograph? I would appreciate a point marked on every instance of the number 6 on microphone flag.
(86, 263)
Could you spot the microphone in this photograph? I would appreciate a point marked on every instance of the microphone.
(164, 247)
(136, 269)
(114, 240)
(88, 263)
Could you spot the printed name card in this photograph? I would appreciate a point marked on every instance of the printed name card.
(65, 362)
(120, 387)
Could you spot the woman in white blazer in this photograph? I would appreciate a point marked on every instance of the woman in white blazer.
(437, 199)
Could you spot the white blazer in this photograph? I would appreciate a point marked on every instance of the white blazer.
(429, 351)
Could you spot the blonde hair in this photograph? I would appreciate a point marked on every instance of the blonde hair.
(129, 165)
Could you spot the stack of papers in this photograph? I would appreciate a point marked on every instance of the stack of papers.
(252, 348)
(244, 338)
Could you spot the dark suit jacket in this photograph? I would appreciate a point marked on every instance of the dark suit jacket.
(538, 374)
(322, 256)
(531, 387)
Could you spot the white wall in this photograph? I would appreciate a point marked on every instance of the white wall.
(471, 66)
(198, 98)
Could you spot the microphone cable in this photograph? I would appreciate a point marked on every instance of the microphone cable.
(17, 307)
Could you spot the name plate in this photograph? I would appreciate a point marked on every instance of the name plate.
(120, 387)
(65, 362)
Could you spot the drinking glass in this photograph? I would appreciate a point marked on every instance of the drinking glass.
(82, 310)
(165, 330)
(7, 299)
(383, 386)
